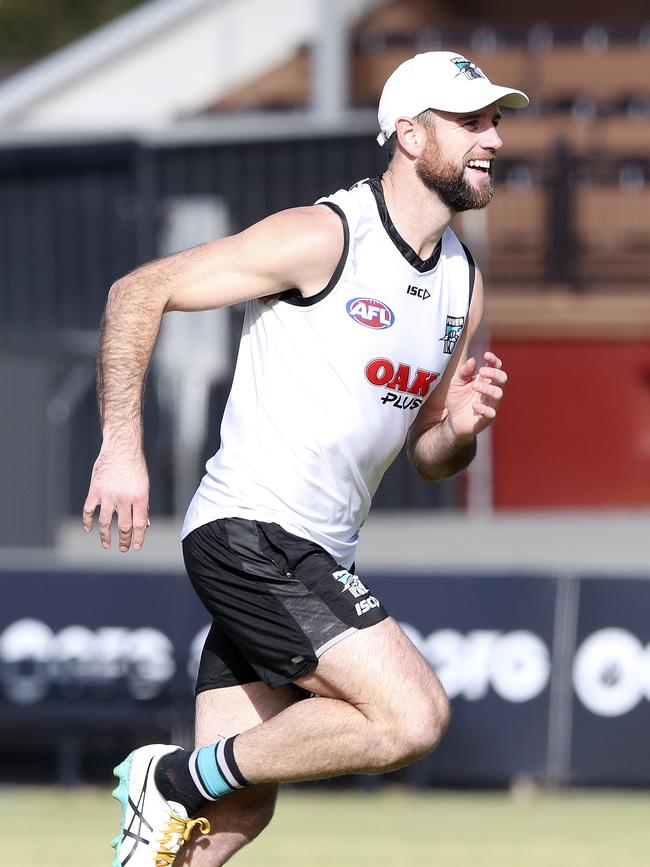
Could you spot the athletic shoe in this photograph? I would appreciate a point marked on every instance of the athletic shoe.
(152, 830)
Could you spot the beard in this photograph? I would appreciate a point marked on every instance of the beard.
(449, 182)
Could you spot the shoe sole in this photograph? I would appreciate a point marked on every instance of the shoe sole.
(121, 794)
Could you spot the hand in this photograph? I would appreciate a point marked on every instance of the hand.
(121, 486)
(474, 398)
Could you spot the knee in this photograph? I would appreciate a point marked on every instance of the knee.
(417, 729)
(426, 723)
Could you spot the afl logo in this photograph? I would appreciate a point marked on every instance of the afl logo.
(371, 313)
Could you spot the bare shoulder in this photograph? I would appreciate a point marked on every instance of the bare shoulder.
(312, 226)
(317, 221)
(307, 244)
(297, 248)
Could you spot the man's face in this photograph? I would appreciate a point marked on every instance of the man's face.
(456, 162)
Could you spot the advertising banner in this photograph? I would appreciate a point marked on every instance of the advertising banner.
(99, 649)
(611, 683)
(534, 690)
(96, 651)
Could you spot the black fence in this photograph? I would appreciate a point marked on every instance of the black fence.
(547, 674)
(74, 218)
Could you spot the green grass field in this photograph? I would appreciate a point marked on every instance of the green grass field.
(52, 828)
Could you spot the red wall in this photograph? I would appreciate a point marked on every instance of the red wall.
(574, 425)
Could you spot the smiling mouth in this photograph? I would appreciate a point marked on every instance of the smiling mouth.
(481, 166)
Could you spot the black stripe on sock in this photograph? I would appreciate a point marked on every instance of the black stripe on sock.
(229, 756)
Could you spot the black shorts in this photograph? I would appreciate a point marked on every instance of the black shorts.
(277, 601)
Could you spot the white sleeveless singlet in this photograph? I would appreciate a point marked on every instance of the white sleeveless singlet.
(325, 388)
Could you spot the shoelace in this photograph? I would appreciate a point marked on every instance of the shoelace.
(177, 826)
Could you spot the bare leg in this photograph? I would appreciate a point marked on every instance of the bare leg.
(381, 707)
(240, 817)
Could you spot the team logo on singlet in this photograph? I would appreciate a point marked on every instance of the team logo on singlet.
(453, 330)
(371, 313)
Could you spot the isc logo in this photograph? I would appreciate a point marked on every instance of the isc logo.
(418, 291)
(371, 313)
(365, 605)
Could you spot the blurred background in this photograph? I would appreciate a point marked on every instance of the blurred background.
(129, 130)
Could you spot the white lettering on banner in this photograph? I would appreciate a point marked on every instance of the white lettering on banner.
(517, 665)
(521, 666)
(78, 659)
(24, 655)
(611, 672)
(149, 662)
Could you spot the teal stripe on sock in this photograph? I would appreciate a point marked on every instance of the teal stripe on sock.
(213, 780)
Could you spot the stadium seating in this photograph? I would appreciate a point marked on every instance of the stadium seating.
(611, 235)
(610, 75)
(516, 222)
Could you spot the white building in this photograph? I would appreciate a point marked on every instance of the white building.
(167, 60)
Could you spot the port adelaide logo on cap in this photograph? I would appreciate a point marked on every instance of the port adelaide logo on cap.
(371, 313)
(467, 68)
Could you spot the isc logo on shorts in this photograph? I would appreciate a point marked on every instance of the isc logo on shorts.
(355, 586)
(365, 605)
(371, 313)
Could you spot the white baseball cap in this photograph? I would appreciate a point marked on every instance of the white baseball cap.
(440, 80)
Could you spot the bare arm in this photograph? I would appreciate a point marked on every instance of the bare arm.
(296, 248)
(442, 439)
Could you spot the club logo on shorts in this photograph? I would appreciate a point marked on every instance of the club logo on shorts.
(350, 582)
(371, 313)
(453, 330)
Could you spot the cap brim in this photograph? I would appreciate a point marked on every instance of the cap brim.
(512, 98)
(479, 96)
(454, 99)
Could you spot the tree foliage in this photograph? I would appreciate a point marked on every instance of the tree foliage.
(30, 29)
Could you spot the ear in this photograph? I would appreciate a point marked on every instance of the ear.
(411, 135)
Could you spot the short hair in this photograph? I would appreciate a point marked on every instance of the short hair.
(390, 147)
(427, 118)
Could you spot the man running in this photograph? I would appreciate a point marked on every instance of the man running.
(359, 313)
